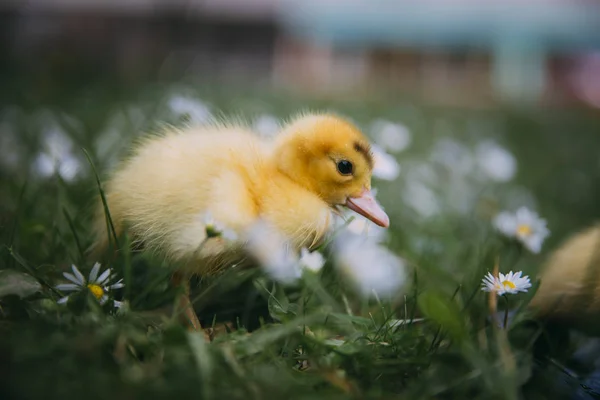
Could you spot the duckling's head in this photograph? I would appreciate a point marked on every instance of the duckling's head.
(330, 157)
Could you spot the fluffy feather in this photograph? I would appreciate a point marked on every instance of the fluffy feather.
(569, 291)
(162, 192)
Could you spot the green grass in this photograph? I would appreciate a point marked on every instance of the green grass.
(354, 351)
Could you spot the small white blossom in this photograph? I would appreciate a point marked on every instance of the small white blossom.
(215, 228)
(391, 136)
(362, 226)
(273, 252)
(96, 284)
(385, 166)
(525, 226)
(509, 283)
(371, 267)
(312, 261)
(421, 198)
(453, 155)
(495, 161)
(197, 111)
(57, 155)
(266, 125)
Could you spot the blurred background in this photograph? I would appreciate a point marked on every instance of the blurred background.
(453, 52)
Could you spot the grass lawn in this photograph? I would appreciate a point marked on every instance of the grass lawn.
(320, 338)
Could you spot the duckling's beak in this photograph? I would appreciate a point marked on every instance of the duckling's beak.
(367, 206)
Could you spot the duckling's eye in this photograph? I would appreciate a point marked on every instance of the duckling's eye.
(344, 167)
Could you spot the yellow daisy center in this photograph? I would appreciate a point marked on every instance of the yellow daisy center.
(524, 230)
(96, 290)
(508, 284)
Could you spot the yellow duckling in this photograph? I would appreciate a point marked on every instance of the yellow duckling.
(569, 291)
(165, 190)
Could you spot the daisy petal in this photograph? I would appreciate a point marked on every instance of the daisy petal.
(102, 278)
(63, 300)
(72, 278)
(117, 285)
(78, 274)
(68, 287)
(94, 272)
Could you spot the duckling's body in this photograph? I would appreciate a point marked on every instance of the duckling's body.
(569, 291)
(163, 192)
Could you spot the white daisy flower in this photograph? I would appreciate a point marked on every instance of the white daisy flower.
(371, 267)
(196, 109)
(362, 226)
(312, 261)
(391, 136)
(510, 283)
(453, 155)
(273, 252)
(420, 197)
(525, 226)
(266, 125)
(495, 161)
(97, 284)
(385, 166)
(215, 228)
(57, 155)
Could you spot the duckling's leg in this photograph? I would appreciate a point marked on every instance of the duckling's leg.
(184, 304)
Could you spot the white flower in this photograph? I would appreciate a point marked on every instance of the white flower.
(391, 136)
(495, 161)
(453, 155)
(273, 252)
(421, 198)
(362, 226)
(57, 155)
(215, 228)
(371, 267)
(196, 109)
(525, 226)
(266, 125)
(509, 283)
(385, 166)
(312, 261)
(97, 285)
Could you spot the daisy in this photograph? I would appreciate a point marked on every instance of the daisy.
(371, 267)
(215, 228)
(57, 156)
(495, 161)
(386, 167)
(312, 261)
(97, 285)
(362, 226)
(273, 252)
(525, 226)
(511, 283)
(391, 136)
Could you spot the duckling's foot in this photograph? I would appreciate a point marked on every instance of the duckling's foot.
(184, 306)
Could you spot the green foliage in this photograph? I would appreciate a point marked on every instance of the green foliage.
(435, 339)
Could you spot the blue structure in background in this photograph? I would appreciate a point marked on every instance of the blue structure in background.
(518, 34)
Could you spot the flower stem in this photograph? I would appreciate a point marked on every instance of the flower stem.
(505, 312)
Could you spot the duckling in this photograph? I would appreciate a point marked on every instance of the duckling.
(295, 181)
(569, 290)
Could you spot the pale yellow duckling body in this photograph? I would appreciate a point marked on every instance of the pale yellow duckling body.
(569, 291)
(163, 192)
